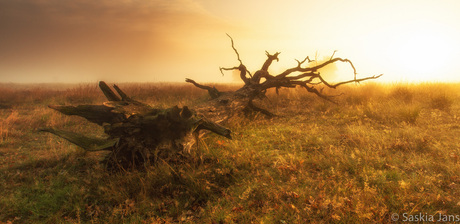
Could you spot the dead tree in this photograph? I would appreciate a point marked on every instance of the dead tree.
(138, 134)
(256, 85)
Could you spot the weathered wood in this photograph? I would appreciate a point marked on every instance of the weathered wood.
(214, 127)
(87, 143)
(109, 94)
(255, 86)
(138, 134)
(98, 114)
(212, 91)
(123, 95)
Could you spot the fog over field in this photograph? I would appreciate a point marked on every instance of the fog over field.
(139, 41)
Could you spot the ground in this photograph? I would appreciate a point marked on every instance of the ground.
(384, 149)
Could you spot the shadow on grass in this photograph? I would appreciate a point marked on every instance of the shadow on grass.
(80, 189)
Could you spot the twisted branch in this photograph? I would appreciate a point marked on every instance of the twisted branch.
(236, 51)
(305, 77)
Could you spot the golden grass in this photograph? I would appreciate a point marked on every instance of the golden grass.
(383, 149)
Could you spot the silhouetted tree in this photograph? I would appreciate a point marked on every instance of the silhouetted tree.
(256, 84)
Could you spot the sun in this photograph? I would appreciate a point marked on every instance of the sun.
(422, 51)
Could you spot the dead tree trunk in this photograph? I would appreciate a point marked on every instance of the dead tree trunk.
(255, 86)
(139, 134)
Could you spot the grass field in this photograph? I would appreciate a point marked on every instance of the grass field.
(383, 150)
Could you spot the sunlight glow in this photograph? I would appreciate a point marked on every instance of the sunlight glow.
(157, 40)
(422, 51)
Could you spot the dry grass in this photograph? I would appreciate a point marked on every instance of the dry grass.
(384, 149)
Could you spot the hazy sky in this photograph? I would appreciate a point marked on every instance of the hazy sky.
(168, 40)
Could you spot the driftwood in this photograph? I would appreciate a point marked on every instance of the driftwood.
(139, 134)
(255, 86)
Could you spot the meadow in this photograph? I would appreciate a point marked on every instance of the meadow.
(384, 149)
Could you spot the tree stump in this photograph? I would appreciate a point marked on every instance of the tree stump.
(139, 134)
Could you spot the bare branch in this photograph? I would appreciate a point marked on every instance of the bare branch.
(214, 127)
(315, 68)
(122, 94)
(233, 46)
(332, 56)
(196, 84)
(313, 90)
(303, 75)
(241, 67)
(109, 94)
(299, 63)
(212, 91)
(98, 114)
(312, 75)
(349, 81)
(250, 107)
(222, 69)
(242, 70)
(87, 143)
(269, 60)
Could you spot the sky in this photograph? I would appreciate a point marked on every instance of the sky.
(45, 41)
